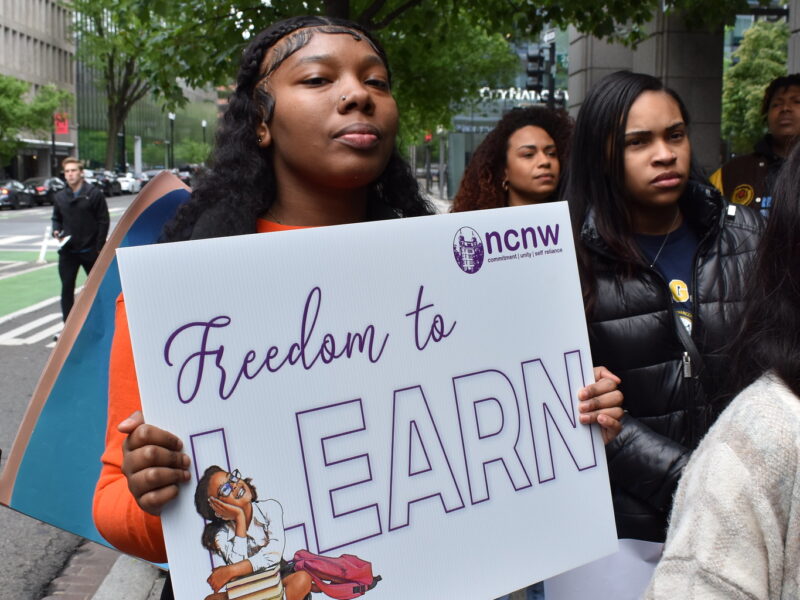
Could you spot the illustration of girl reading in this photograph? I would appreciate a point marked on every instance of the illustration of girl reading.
(248, 535)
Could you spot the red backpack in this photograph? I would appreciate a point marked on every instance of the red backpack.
(342, 578)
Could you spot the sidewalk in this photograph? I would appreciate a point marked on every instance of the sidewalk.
(95, 572)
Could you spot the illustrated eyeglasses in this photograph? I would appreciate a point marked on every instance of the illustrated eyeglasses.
(226, 488)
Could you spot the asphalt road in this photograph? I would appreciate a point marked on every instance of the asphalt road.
(32, 553)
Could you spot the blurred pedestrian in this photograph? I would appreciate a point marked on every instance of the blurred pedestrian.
(749, 179)
(662, 259)
(519, 162)
(80, 224)
(735, 525)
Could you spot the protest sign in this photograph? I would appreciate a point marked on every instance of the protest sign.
(52, 468)
(400, 391)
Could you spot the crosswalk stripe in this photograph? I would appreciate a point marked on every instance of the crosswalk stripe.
(45, 333)
(10, 265)
(10, 338)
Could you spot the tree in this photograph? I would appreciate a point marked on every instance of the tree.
(760, 59)
(18, 114)
(191, 152)
(442, 51)
(125, 44)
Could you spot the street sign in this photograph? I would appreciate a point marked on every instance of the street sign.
(549, 36)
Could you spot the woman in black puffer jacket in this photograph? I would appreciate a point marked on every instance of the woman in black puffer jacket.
(663, 258)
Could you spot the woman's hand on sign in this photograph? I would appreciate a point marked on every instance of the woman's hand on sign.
(152, 463)
(601, 403)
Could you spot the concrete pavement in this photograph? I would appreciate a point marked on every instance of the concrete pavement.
(95, 572)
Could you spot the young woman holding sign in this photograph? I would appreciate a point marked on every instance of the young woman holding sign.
(308, 139)
(519, 162)
(663, 258)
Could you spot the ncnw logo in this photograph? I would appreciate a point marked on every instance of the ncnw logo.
(469, 247)
(521, 239)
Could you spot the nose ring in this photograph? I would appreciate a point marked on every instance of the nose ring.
(343, 98)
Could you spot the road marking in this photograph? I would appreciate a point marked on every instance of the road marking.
(33, 308)
(46, 334)
(31, 270)
(10, 338)
(10, 264)
(7, 240)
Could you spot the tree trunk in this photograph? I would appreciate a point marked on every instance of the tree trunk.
(115, 121)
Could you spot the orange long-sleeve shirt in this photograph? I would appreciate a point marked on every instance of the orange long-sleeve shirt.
(117, 516)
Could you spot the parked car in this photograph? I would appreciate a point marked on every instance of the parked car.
(14, 195)
(129, 183)
(44, 189)
(108, 179)
(105, 180)
(90, 177)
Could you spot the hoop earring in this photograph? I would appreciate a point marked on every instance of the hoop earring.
(504, 185)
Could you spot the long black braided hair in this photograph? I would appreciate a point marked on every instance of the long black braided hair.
(240, 185)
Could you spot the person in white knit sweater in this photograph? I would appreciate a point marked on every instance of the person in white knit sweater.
(735, 526)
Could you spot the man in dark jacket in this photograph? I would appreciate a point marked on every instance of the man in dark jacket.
(748, 179)
(80, 223)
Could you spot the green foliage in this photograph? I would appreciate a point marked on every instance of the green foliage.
(191, 152)
(154, 153)
(18, 114)
(760, 59)
(441, 51)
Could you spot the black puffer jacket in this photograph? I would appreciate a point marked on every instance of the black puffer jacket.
(633, 332)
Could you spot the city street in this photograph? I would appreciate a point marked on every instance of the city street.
(32, 553)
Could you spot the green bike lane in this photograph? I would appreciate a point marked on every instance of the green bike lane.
(25, 283)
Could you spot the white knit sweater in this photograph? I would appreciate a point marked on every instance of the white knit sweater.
(735, 526)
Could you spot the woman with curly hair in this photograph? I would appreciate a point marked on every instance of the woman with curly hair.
(519, 162)
(308, 139)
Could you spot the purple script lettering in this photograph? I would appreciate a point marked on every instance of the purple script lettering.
(192, 369)
(437, 329)
(325, 433)
(550, 414)
(420, 468)
(489, 419)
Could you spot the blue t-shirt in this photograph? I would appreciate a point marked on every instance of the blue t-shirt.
(674, 262)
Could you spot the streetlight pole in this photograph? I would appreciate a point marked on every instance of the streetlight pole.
(171, 139)
(204, 123)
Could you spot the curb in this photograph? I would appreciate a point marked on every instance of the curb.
(95, 572)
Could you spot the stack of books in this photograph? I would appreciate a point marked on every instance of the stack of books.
(264, 585)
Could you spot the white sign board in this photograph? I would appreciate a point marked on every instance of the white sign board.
(403, 391)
